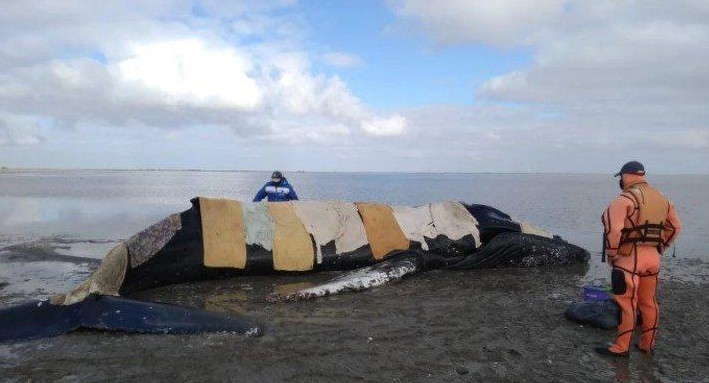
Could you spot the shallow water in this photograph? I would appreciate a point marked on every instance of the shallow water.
(52, 216)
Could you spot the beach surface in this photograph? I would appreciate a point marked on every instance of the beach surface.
(444, 325)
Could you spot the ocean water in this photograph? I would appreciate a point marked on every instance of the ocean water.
(55, 225)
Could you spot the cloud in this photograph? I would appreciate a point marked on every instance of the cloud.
(342, 60)
(500, 22)
(606, 80)
(606, 77)
(392, 126)
(496, 137)
(18, 130)
(186, 72)
(240, 65)
(633, 67)
(692, 140)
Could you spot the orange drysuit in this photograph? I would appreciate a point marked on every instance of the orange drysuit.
(638, 226)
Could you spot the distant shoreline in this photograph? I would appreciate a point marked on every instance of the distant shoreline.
(11, 170)
(59, 170)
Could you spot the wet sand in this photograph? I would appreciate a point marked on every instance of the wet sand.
(457, 326)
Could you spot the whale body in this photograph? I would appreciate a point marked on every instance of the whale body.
(373, 244)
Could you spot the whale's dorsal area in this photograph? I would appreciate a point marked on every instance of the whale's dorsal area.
(332, 221)
(218, 235)
(292, 245)
(296, 232)
(223, 238)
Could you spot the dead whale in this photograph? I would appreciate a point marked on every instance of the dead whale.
(216, 238)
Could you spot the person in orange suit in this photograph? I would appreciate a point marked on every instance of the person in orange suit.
(638, 226)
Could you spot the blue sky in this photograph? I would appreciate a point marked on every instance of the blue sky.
(396, 85)
(401, 70)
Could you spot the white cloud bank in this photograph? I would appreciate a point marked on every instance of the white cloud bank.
(393, 126)
(129, 64)
(186, 72)
(610, 79)
(500, 22)
(18, 130)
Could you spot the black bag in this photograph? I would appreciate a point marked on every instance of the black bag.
(600, 314)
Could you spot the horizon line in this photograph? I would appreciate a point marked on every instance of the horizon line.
(7, 169)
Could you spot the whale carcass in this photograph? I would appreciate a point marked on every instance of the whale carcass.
(217, 238)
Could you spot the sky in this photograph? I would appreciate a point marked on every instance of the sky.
(370, 85)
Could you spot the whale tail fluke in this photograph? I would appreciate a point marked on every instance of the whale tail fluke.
(107, 313)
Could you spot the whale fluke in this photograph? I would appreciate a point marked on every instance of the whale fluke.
(43, 319)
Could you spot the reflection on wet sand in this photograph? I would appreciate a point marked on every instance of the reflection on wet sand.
(23, 281)
(40, 268)
(638, 368)
(289, 288)
(57, 249)
(227, 303)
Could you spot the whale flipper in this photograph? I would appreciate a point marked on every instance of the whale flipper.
(356, 280)
(37, 320)
(107, 313)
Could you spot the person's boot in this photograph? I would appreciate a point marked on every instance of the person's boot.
(644, 351)
(605, 351)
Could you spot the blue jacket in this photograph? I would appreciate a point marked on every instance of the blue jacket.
(277, 192)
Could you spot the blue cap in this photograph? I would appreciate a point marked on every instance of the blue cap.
(632, 167)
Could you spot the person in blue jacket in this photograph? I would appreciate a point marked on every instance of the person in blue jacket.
(277, 190)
